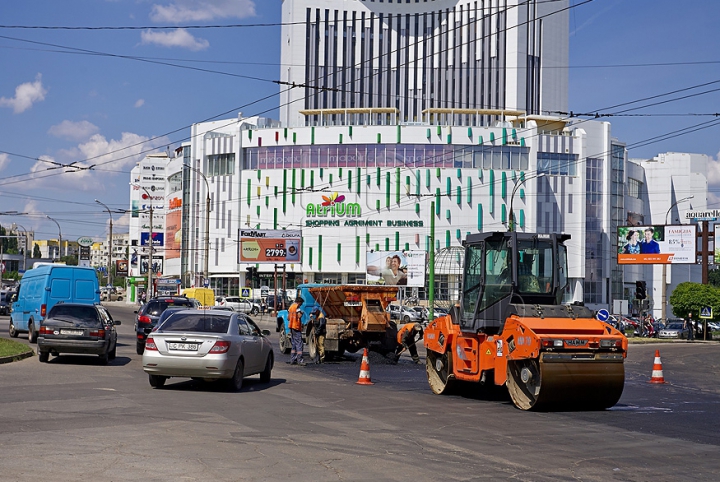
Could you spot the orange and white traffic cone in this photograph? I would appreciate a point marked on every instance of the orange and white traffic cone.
(657, 373)
(364, 378)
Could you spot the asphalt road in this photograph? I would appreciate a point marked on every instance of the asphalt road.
(75, 420)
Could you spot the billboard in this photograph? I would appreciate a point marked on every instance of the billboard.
(121, 267)
(396, 268)
(269, 246)
(672, 244)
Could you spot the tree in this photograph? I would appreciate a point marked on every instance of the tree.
(691, 297)
(36, 252)
(714, 277)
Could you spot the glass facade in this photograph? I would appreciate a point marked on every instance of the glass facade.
(386, 155)
(557, 163)
(617, 216)
(594, 189)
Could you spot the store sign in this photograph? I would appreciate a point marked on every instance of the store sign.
(333, 205)
(85, 241)
(269, 246)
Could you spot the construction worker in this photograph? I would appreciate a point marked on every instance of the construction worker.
(320, 327)
(407, 337)
(295, 325)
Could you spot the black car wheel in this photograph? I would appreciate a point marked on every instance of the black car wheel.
(31, 333)
(266, 373)
(254, 311)
(236, 382)
(104, 359)
(113, 353)
(140, 348)
(44, 356)
(12, 331)
(156, 381)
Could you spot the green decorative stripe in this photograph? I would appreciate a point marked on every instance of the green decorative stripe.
(503, 213)
(294, 137)
(275, 218)
(449, 138)
(492, 192)
(447, 214)
(285, 131)
(387, 189)
(457, 234)
(397, 186)
(377, 246)
(293, 186)
(357, 249)
(447, 238)
(357, 183)
(407, 246)
(417, 182)
(377, 174)
(284, 194)
(330, 178)
(439, 131)
(259, 174)
(437, 201)
(469, 190)
(503, 185)
(267, 201)
(322, 172)
(427, 134)
(275, 189)
(379, 138)
(458, 195)
(339, 138)
(312, 135)
(504, 136)
(249, 191)
(399, 135)
(387, 244)
(480, 218)
(310, 255)
(320, 253)
(522, 218)
(367, 238)
(258, 210)
(437, 172)
(417, 208)
(427, 178)
(312, 178)
(377, 204)
(340, 170)
(350, 181)
(302, 178)
(339, 252)
(350, 131)
(470, 132)
(397, 240)
(448, 187)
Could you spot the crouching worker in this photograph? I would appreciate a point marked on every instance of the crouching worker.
(320, 327)
(407, 337)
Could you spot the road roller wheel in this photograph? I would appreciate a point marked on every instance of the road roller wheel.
(439, 372)
(524, 381)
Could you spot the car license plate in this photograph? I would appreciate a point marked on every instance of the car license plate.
(71, 332)
(183, 346)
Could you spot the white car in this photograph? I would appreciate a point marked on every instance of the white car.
(404, 314)
(241, 305)
(209, 345)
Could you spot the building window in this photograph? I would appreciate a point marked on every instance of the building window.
(557, 164)
(221, 165)
(634, 188)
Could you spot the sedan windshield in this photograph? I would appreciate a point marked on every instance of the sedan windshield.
(674, 326)
(197, 322)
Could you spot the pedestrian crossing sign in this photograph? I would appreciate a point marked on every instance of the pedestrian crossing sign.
(706, 312)
(245, 293)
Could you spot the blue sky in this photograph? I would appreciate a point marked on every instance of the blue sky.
(82, 95)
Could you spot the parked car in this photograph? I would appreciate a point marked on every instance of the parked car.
(80, 329)
(111, 294)
(403, 314)
(241, 305)
(6, 297)
(674, 330)
(210, 345)
(423, 312)
(149, 313)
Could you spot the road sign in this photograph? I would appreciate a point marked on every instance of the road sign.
(603, 315)
(245, 292)
(706, 312)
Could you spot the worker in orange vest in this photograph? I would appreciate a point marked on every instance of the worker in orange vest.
(407, 337)
(295, 325)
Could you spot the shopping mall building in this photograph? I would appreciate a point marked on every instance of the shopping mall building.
(434, 124)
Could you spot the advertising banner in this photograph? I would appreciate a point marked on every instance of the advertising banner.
(672, 244)
(157, 265)
(173, 230)
(396, 268)
(121, 267)
(158, 239)
(269, 246)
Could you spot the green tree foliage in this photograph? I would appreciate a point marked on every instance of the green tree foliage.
(691, 297)
(36, 252)
(714, 277)
(9, 245)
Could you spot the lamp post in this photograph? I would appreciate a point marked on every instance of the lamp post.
(150, 243)
(206, 274)
(25, 236)
(110, 244)
(511, 214)
(663, 287)
(59, 236)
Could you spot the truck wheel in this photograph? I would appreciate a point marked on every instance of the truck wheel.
(12, 331)
(285, 343)
(31, 333)
(312, 346)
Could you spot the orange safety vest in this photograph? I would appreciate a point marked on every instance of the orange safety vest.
(403, 331)
(294, 318)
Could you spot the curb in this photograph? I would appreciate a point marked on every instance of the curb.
(18, 357)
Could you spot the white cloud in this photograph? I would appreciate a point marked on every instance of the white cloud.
(139, 103)
(25, 95)
(713, 171)
(177, 38)
(110, 158)
(75, 131)
(4, 160)
(201, 10)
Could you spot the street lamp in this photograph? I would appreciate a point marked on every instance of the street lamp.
(206, 274)
(25, 236)
(150, 242)
(663, 287)
(60, 237)
(110, 246)
(521, 181)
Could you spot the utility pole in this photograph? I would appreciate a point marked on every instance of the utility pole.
(110, 246)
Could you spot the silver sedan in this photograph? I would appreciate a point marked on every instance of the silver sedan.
(209, 345)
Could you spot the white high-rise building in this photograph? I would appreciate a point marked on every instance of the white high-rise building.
(420, 55)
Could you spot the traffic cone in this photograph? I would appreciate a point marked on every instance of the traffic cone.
(364, 378)
(657, 373)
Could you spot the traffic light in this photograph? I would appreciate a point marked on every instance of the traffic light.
(640, 290)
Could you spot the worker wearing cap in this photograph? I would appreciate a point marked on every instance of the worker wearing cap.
(295, 325)
(407, 337)
(320, 327)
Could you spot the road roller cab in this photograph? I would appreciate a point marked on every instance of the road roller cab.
(511, 328)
